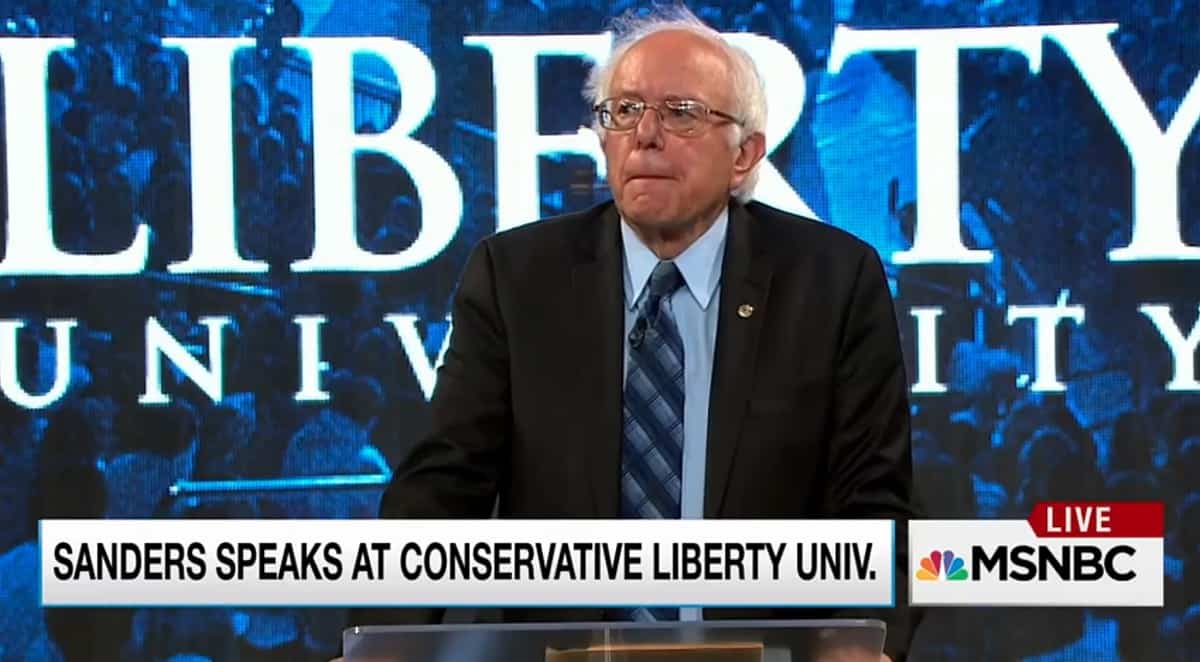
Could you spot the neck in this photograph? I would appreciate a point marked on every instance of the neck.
(669, 241)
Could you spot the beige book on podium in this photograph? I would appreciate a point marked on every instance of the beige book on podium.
(715, 652)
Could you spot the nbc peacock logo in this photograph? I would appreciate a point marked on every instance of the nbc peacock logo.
(942, 565)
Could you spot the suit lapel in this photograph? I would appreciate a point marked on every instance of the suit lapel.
(745, 281)
(599, 326)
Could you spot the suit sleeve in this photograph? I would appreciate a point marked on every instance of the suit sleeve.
(870, 457)
(454, 472)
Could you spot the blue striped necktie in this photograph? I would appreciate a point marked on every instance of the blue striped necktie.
(652, 444)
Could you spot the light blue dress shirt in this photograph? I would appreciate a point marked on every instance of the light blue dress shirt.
(694, 309)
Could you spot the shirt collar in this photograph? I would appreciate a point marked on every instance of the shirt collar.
(700, 263)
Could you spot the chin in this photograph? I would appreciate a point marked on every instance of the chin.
(651, 212)
(651, 219)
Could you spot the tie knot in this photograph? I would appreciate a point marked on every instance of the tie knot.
(664, 280)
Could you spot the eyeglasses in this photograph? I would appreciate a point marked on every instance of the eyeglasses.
(687, 117)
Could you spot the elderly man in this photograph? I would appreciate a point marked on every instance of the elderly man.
(677, 352)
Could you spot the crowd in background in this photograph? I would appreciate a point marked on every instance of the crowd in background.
(119, 145)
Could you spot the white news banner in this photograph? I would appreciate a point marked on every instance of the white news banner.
(467, 562)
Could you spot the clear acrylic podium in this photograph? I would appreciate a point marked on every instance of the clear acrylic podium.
(700, 641)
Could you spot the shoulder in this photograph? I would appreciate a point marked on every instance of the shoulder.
(794, 238)
(543, 253)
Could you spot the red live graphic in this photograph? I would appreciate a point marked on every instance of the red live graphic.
(1098, 519)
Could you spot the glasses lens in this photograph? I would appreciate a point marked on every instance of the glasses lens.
(682, 116)
(626, 112)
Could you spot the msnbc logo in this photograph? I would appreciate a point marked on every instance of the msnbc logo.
(942, 565)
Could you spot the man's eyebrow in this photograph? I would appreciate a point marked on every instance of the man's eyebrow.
(624, 92)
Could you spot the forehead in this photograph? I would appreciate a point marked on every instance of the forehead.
(674, 63)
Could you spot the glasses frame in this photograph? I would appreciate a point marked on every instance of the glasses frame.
(706, 121)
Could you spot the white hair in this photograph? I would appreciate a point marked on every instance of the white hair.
(749, 93)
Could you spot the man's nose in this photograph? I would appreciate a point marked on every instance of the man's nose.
(649, 130)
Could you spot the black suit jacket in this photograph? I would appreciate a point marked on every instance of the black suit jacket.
(808, 416)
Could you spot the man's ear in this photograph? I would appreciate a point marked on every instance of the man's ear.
(750, 152)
